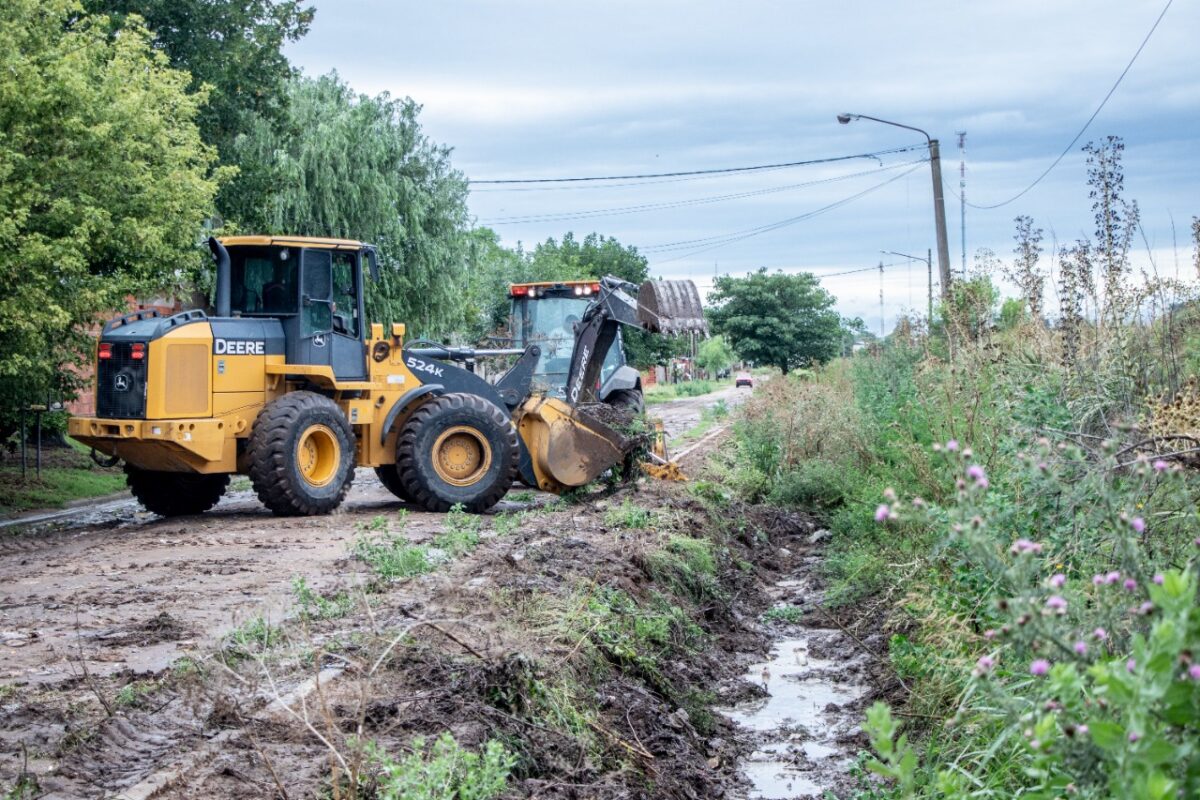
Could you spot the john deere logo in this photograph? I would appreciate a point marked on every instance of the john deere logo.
(121, 383)
(319, 340)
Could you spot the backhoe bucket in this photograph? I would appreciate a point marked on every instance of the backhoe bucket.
(671, 307)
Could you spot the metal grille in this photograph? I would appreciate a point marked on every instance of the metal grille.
(121, 384)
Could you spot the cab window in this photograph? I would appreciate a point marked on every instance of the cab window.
(263, 280)
(345, 295)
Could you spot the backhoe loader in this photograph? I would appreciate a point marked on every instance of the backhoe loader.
(286, 383)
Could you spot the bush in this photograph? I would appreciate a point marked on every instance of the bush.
(444, 771)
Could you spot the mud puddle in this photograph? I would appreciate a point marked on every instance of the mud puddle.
(805, 730)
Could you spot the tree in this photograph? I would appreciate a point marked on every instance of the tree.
(234, 47)
(714, 355)
(360, 167)
(104, 184)
(777, 318)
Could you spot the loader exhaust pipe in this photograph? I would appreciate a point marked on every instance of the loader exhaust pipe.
(224, 290)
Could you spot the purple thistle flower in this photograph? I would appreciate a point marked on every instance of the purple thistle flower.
(1157, 579)
(982, 483)
(952, 445)
(881, 513)
(918, 502)
(1112, 577)
(1194, 672)
(1097, 579)
(1081, 648)
(989, 634)
(1039, 667)
(1057, 580)
(1146, 608)
(1100, 634)
(1025, 546)
(975, 472)
(984, 664)
(1082, 730)
(1160, 466)
(1138, 524)
(1130, 584)
(1130, 665)
(1056, 603)
(1134, 736)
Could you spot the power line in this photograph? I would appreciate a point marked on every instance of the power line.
(1091, 119)
(619, 210)
(719, 171)
(737, 236)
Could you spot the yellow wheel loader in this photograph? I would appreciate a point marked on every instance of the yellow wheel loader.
(286, 383)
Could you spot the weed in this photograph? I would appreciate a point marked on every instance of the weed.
(461, 534)
(252, 638)
(443, 771)
(523, 496)
(391, 556)
(504, 524)
(133, 694)
(628, 515)
(790, 614)
(7, 691)
(688, 566)
(315, 606)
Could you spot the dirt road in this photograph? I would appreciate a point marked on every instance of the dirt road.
(115, 588)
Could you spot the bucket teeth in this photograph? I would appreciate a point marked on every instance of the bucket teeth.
(671, 307)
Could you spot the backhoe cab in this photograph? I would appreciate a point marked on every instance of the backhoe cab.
(288, 384)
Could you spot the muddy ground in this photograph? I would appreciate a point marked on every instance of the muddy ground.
(142, 657)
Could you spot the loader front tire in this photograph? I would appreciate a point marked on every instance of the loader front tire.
(301, 453)
(627, 399)
(457, 449)
(175, 494)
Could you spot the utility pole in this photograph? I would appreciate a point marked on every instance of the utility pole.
(939, 214)
(929, 269)
(881, 302)
(962, 195)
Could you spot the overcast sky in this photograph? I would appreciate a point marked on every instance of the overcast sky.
(542, 88)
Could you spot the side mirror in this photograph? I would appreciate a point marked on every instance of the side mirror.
(373, 264)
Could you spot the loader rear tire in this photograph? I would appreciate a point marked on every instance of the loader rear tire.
(390, 478)
(457, 449)
(175, 494)
(301, 453)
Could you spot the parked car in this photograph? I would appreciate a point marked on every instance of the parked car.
(743, 379)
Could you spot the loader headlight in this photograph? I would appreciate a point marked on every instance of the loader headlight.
(579, 291)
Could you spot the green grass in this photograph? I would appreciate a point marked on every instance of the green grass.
(443, 771)
(57, 487)
(784, 613)
(628, 515)
(662, 392)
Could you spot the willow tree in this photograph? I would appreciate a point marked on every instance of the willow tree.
(104, 184)
(353, 166)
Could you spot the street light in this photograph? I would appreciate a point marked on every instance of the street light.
(928, 259)
(939, 201)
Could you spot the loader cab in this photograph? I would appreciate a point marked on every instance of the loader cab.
(314, 287)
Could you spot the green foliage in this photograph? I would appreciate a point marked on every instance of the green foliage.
(391, 556)
(442, 771)
(896, 761)
(360, 167)
(56, 487)
(814, 485)
(793, 615)
(776, 318)
(317, 606)
(104, 183)
(233, 48)
(505, 523)
(689, 567)
(638, 636)
(714, 355)
(254, 637)
(461, 534)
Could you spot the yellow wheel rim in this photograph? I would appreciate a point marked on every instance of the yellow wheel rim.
(318, 454)
(461, 456)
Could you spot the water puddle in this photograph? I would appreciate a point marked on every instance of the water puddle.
(810, 706)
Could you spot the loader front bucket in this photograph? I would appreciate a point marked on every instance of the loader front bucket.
(671, 307)
(570, 447)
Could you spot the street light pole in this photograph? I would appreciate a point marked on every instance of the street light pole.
(939, 200)
(928, 259)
